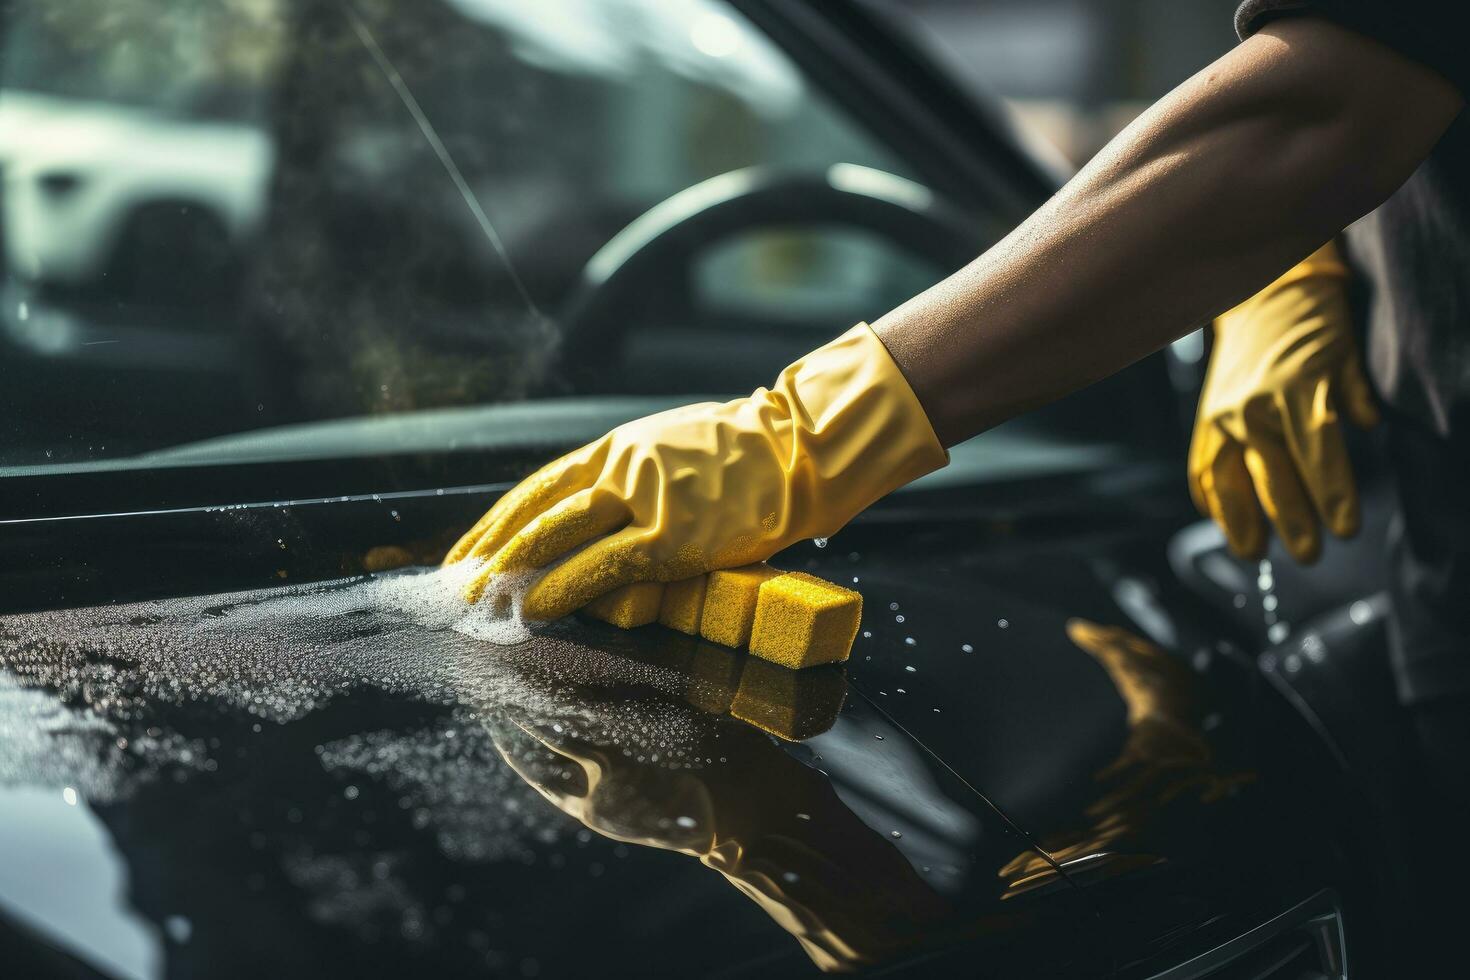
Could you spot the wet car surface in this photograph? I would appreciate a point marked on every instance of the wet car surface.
(354, 776)
(358, 785)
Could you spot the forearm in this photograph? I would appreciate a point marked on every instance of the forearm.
(1222, 185)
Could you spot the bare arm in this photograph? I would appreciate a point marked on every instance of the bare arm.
(1228, 180)
(1243, 170)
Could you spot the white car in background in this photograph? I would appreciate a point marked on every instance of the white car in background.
(78, 173)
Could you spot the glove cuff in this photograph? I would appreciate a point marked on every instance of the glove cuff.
(1326, 261)
(857, 430)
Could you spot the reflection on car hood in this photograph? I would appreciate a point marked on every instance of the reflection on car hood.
(414, 794)
(1031, 757)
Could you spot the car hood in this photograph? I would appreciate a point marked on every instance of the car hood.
(355, 773)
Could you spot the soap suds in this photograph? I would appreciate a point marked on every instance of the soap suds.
(280, 654)
(363, 721)
(432, 599)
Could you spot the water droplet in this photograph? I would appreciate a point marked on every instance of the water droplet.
(350, 792)
(910, 641)
(967, 648)
(854, 580)
(901, 690)
(896, 835)
(686, 822)
(179, 928)
(898, 618)
(69, 795)
(803, 816)
(1003, 623)
(911, 668)
(394, 513)
(878, 737)
(820, 542)
(893, 607)
(867, 634)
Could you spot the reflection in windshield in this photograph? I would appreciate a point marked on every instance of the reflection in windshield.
(202, 60)
(693, 39)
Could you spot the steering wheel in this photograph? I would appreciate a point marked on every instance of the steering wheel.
(647, 267)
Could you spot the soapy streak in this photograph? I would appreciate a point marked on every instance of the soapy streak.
(429, 599)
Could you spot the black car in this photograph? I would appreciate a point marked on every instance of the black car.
(249, 731)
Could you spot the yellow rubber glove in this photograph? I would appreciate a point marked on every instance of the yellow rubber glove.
(1267, 437)
(713, 485)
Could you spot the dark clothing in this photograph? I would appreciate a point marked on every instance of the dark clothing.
(1414, 252)
(1429, 540)
(1415, 249)
(1431, 32)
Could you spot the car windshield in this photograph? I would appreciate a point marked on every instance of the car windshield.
(227, 217)
(259, 231)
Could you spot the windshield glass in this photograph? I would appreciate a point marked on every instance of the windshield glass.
(229, 216)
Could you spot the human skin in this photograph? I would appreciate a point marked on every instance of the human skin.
(1231, 178)
(1212, 193)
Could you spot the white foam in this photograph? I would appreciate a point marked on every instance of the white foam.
(102, 725)
(431, 598)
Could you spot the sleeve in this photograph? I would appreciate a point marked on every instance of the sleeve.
(1432, 32)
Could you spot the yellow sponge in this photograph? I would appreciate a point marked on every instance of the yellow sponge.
(629, 606)
(683, 604)
(729, 603)
(789, 704)
(802, 620)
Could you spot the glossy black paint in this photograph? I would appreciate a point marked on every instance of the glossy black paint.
(363, 793)
(1181, 848)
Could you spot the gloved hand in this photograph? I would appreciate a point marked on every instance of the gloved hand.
(713, 485)
(1267, 436)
